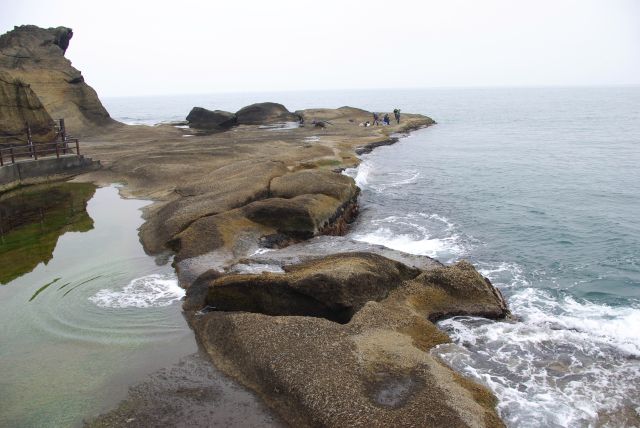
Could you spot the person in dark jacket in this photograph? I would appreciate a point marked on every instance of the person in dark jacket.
(396, 113)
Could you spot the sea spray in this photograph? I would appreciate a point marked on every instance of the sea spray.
(146, 292)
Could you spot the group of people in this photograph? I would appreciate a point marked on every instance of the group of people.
(385, 119)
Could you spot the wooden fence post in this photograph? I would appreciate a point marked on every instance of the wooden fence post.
(63, 130)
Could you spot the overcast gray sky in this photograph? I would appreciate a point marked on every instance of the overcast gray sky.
(140, 47)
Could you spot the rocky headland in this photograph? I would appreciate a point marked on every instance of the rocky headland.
(35, 57)
(326, 339)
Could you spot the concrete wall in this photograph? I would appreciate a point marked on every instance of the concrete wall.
(44, 170)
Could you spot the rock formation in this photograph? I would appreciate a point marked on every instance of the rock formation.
(344, 340)
(201, 118)
(36, 56)
(265, 113)
(339, 340)
(254, 114)
(20, 106)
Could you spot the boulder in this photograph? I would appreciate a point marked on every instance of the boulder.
(19, 107)
(300, 217)
(201, 118)
(240, 212)
(458, 290)
(319, 181)
(265, 113)
(36, 56)
(334, 287)
(277, 333)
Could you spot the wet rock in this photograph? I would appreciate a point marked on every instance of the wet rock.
(201, 118)
(190, 393)
(279, 335)
(333, 287)
(459, 290)
(36, 56)
(320, 246)
(265, 113)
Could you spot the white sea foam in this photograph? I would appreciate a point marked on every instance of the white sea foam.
(415, 233)
(361, 174)
(565, 363)
(505, 275)
(148, 291)
(411, 243)
(393, 180)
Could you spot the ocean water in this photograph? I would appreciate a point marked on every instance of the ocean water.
(540, 189)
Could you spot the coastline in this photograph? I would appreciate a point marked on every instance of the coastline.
(324, 164)
(307, 280)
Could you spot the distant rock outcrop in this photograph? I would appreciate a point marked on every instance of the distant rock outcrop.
(201, 118)
(36, 56)
(264, 113)
(20, 106)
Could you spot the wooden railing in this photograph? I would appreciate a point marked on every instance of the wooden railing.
(37, 150)
(62, 145)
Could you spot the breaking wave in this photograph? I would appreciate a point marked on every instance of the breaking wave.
(146, 292)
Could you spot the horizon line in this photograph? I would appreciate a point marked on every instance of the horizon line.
(453, 87)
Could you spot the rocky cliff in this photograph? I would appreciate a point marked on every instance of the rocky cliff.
(19, 105)
(36, 56)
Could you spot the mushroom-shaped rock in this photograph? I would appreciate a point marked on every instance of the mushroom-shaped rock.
(201, 118)
(264, 113)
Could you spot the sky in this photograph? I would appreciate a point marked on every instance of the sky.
(140, 47)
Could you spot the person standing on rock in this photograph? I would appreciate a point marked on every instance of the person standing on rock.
(376, 119)
(396, 113)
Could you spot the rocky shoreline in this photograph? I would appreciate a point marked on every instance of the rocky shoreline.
(331, 340)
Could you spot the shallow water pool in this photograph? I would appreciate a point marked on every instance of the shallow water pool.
(88, 317)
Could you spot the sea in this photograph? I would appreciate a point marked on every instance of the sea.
(539, 188)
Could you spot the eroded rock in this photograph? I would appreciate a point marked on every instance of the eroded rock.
(19, 107)
(265, 113)
(373, 369)
(334, 287)
(201, 118)
(36, 56)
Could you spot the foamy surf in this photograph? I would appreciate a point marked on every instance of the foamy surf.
(146, 292)
(564, 363)
(415, 233)
(412, 244)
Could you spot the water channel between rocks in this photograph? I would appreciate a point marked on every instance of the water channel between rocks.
(85, 314)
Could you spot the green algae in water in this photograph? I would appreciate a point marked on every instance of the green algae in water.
(33, 218)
